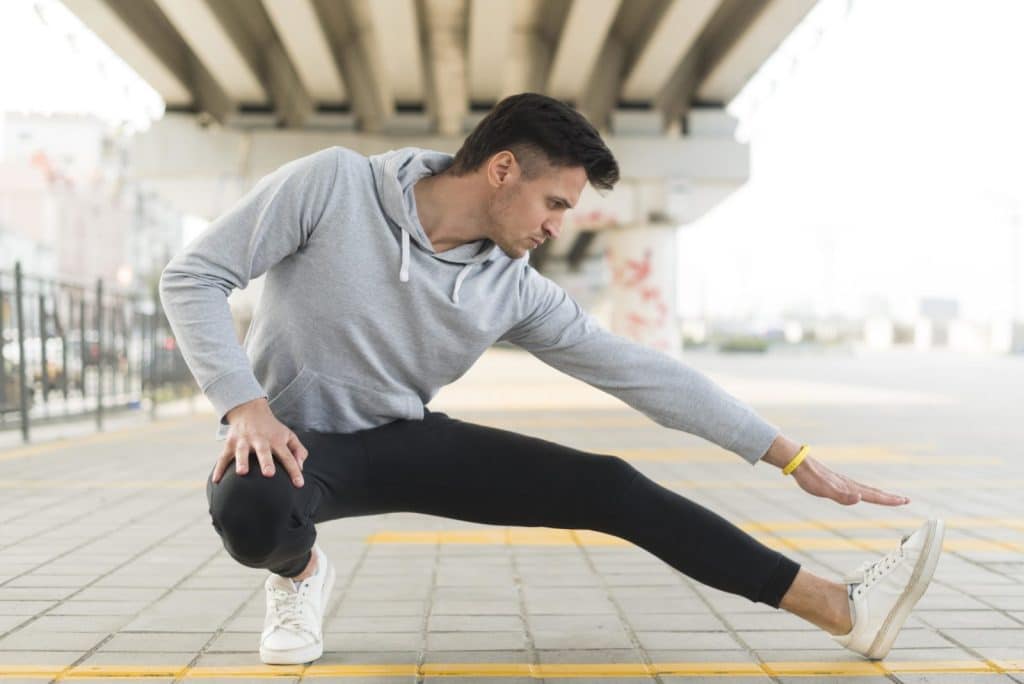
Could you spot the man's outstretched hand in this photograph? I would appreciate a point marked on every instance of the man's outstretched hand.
(814, 477)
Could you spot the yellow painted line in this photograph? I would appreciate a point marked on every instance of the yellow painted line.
(101, 484)
(964, 523)
(864, 454)
(909, 484)
(544, 536)
(863, 668)
(92, 438)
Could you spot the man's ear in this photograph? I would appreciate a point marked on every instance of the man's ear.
(501, 168)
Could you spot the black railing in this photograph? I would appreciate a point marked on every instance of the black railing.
(71, 350)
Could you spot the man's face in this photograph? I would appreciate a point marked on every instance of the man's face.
(524, 213)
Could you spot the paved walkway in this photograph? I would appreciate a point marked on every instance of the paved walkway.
(109, 566)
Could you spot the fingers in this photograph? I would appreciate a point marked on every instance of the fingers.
(877, 496)
(221, 465)
(241, 456)
(301, 454)
(290, 464)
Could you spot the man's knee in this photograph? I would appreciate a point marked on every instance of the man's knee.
(251, 512)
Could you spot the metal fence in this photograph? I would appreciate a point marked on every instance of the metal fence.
(72, 350)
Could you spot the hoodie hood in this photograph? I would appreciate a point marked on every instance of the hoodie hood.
(394, 173)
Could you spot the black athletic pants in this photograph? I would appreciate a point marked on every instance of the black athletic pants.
(451, 468)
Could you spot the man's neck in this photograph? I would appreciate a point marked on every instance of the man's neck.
(451, 209)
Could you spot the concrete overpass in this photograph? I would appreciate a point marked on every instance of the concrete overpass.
(251, 84)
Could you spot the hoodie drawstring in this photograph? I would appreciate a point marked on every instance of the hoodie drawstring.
(458, 282)
(403, 272)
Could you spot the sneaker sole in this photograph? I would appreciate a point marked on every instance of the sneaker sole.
(919, 581)
(309, 653)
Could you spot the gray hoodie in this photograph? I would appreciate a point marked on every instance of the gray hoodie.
(361, 321)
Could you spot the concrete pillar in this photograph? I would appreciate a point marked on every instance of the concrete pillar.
(642, 260)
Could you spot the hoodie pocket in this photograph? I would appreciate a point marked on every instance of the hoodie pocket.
(327, 403)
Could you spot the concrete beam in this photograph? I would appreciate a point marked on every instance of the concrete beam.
(751, 48)
(347, 26)
(579, 45)
(676, 33)
(302, 35)
(444, 45)
(198, 26)
(730, 20)
(632, 29)
(149, 24)
(487, 49)
(394, 28)
(251, 31)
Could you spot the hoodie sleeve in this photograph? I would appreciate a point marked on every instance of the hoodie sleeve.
(273, 220)
(555, 329)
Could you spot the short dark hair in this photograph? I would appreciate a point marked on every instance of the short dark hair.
(538, 128)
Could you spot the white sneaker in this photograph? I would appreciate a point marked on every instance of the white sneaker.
(883, 592)
(293, 626)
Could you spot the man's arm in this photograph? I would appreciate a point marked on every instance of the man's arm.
(560, 333)
(273, 220)
(555, 329)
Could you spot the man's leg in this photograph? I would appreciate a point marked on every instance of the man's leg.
(267, 522)
(451, 468)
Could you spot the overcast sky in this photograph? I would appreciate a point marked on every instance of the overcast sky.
(889, 162)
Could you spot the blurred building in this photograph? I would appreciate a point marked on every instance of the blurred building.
(70, 209)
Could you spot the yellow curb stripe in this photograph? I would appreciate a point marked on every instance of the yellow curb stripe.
(909, 483)
(894, 523)
(862, 668)
(564, 537)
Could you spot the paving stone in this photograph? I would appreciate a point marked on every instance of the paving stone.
(474, 623)
(25, 607)
(668, 622)
(102, 659)
(472, 641)
(610, 637)
(966, 618)
(236, 642)
(157, 641)
(504, 656)
(686, 640)
(373, 608)
(602, 655)
(76, 607)
(60, 641)
(383, 641)
(768, 621)
(382, 623)
(787, 639)
(9, 593)
(987, 637)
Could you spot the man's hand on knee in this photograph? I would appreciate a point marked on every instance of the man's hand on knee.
(254, 428)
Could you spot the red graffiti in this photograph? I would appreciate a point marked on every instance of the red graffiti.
(631, 275)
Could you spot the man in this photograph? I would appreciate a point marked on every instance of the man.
(386, 278)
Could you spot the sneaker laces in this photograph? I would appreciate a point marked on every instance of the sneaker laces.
(870, 572)
(287, 609)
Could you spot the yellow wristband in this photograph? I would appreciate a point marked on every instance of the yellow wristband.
(797, 460)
